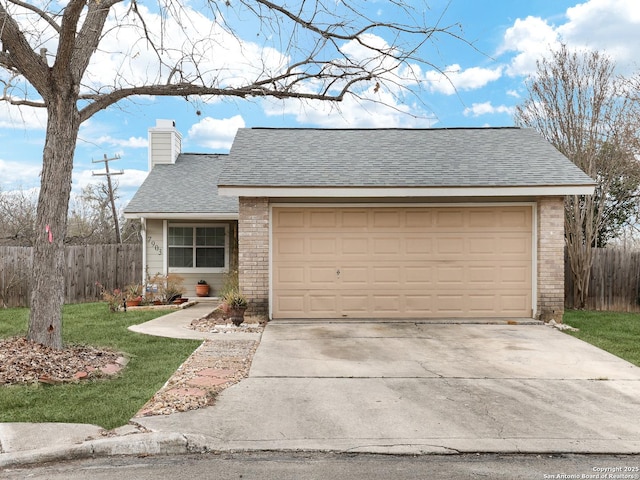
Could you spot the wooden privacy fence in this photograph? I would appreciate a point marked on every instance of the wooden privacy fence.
(111, 265)
(615, 281)
(615, 275)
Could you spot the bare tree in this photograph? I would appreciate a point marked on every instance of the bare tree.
(578, 104)
(17, 218)
(91, 215)
(319, 50)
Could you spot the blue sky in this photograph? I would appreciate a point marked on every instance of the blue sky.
(508, 36)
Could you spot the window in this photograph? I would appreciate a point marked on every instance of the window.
(198, 246)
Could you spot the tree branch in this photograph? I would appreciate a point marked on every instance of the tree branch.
(47, 18)
(18, 55)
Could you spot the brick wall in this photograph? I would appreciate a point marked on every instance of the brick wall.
(550, 259)
(253, 254)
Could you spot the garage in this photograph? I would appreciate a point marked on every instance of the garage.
(389, 261)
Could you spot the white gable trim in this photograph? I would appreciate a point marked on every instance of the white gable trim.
(351, 192)
(183, 216)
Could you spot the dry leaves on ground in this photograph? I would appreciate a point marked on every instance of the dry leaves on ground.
(22, 361)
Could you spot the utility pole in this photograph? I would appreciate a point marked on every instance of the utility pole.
(108, 174)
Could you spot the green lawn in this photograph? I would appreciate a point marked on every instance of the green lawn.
(617, 333)
(106, 402)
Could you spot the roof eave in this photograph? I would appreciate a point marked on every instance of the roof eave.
(182, 215)
(337, 192)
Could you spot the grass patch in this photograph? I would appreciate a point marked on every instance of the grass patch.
(615, 332)
(109, 402)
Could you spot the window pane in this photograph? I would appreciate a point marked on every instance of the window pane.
(209, 257)
(180, 257)
(210, 236)
(180, 236)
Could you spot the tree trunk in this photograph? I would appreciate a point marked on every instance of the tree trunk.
(47, 281)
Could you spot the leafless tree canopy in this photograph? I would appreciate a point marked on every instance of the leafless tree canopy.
(90, 218)
(315, 50)
(80, 57)
(578, 104)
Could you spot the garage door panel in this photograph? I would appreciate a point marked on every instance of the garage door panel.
(322, 305)
(419, 303)
(323, 219)
(291, 276)
(290, 219)
(355, 219)
(515, 218)
(418, 245)
(482, 275)
(481, 305)
(419, 219)
(358, 304)
(353, 277)
(449, 305)
(357, 246)
(402, 262)
(290, 246)
(450, 218)
(392, 246)
(290, 304)
(450, 275)
(386, 218)
(515, 245)
(482, 245)
(517, 276)
(514, 303)
(449, 246)
(320, 277)
(322, 246)
(387, 276)
(418, 276)
(386, 304)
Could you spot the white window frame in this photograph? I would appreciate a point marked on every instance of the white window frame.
(224, 269)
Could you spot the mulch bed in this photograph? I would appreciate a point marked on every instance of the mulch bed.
(24, 362)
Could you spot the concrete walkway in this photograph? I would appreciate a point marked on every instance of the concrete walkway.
(33, 443)
(176, 325)
(394, 387)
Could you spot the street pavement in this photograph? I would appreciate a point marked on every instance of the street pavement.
(387, 387)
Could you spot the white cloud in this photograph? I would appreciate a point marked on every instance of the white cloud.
(216, 133)
(131, 142)
(371, 110)
(17, 173)
(21, 117)
(453, 78)
(131, 178)
(533, 38)
(486, 108)
(221, 58)
(610, 26)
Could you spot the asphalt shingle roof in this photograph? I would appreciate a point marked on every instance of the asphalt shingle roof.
(457, 157)
(188, 186)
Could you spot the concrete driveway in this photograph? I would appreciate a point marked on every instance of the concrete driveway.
(423, 388)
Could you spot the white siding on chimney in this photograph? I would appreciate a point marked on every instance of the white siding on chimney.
(165, 143)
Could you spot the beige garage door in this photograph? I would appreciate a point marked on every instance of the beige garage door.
(401, 262)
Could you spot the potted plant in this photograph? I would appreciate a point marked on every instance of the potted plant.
(133, 295)
(202, 288)
(235, 304)
(172, 288)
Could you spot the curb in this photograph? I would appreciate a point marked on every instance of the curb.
(136, 444)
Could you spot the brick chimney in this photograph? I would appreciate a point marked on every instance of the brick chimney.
(165, 143)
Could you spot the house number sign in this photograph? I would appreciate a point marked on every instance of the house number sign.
(154, 246)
